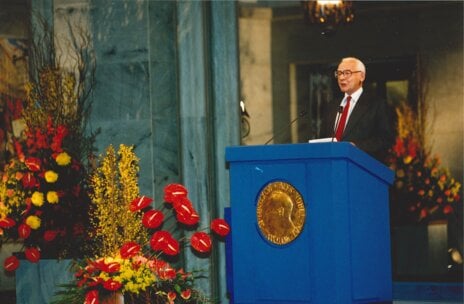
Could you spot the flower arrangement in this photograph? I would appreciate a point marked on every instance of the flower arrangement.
(44, 200)
(423, 190)
(43, 197)
(136, 243)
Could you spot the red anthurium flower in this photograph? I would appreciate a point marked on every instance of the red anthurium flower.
(111, 267)
(11, 263)
(186, 294)
(50, 235)
(185, 212)
(171, 247)
(112, 285)
(28, 180)
(173, 191)
(33, 163)
(129, 249)
(153, 219)
(220, 227)
(159, 240)
(201, 242)
(32, 254)
(91, 297)
(140, 203)
(94, 282)
(24, 231)
(7, 222)
(182, 204)
(188, 218)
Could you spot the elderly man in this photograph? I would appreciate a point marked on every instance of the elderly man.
(364, 120)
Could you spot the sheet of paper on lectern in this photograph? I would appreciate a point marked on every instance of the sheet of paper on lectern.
(322, 140)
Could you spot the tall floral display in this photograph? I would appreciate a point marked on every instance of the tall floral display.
(423, 189)
(44, 200)
(135, 244)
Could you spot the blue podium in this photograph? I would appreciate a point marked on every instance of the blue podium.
(338, 250)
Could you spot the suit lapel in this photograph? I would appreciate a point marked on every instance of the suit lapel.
(362, 106)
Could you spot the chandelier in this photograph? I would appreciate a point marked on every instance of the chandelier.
(329, 14)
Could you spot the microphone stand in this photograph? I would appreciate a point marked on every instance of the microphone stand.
(337, 121)
(302, 114)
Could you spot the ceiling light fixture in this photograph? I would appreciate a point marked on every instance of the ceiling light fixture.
(329, 14)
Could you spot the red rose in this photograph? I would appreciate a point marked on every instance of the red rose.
(32, 254)
(129, 250)
(201, 242)
(220, 227)
(11, 263)
(153, 219)
(140, 203)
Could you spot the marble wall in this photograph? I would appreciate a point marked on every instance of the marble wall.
(167, 83)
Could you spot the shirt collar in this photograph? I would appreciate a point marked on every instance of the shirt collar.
(354, 96)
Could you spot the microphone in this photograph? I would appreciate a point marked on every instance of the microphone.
(300, 115)
(337, 121)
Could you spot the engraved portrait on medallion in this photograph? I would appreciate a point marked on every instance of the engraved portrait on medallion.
(280, 213)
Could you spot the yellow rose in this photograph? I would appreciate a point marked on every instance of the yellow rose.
(33, 221)
(37, 198)
(51, 176)
(52, 197)
(63, 159)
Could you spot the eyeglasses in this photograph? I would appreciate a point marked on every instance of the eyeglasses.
(346, 73)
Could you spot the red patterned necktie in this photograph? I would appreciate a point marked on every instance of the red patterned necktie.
(342, 122)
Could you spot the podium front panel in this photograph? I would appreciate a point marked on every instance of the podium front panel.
(342, 254)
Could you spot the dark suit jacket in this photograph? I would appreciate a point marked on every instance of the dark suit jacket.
(370, 126)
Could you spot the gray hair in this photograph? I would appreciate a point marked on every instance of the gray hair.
(360, 66)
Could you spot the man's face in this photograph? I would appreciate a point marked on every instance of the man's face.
(349, 84)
